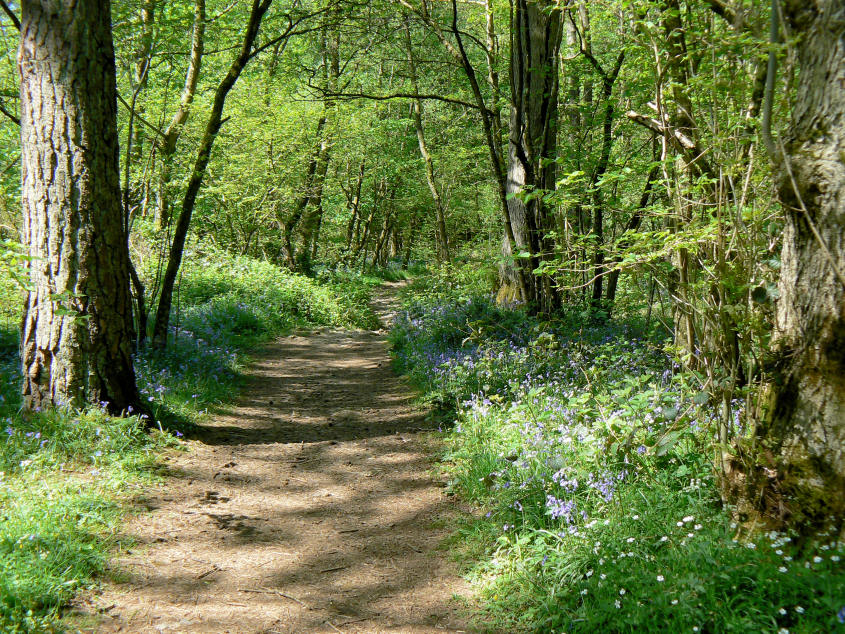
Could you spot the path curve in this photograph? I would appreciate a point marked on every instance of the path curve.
(311, 507)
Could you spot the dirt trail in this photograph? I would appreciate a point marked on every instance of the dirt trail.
(310, 508)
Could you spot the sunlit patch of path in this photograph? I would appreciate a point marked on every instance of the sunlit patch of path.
(310, 507)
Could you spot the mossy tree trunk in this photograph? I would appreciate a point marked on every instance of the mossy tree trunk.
(802, 428)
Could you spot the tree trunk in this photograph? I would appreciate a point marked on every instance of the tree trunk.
(354, 207)
(288, 224)
(492, 130)
(632, 226)
(536, 36)
(167, 144)
(803, 428)
(215, 120)
(77, 333)
(409, 243)
(142, 73)
(314, 208)
(382, 237)
(416, 111)
(608, 79)
(682, 121)
(365, 232)
(312, 215)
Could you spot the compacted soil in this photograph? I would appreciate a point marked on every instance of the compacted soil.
(310, 507)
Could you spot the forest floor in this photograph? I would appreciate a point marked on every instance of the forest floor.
(310, 506)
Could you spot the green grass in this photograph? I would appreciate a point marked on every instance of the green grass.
(589, 459)
(67, 478)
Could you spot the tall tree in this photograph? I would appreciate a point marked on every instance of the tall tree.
(77, 332)
(490, 120)
(536, 32)
(166, 145)
(442, 238)
(215, 121)
(804, 425)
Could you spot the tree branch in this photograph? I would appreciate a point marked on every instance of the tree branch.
(656, 126)
(721, 8)
(398, 95)
(8, 11)
(137, 116)
(9, 114)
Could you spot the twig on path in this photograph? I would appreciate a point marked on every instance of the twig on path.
(276, 592)
(334, 627)
(216, 568)
(335, 569)
(366, 618)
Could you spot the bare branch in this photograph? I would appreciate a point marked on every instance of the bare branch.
(9, 114)
(8, 11)
(398, 95)
(138, 116)
(660, 128)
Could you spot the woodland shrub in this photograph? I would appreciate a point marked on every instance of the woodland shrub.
(588, 455)
(227, 296)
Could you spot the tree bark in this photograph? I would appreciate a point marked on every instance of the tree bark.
(215, 120)
(682, 123)
(354, 207)
(409, 242)
(489, 122)
(803, 427)
(608, 79)
(288, 224)
(536, 34)
(313, 210)
(77, 333)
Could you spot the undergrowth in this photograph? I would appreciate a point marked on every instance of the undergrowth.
(589, 457)
(68, 477)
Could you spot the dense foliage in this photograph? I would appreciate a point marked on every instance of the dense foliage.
(589, 456)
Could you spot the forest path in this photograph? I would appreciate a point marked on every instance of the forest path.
(310, 507)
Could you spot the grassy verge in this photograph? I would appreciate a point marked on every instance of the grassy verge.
(67, 477)
(589, 459)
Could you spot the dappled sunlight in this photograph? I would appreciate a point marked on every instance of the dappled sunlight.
(308, 505)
